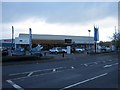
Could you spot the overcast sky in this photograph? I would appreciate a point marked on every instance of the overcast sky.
(60, 18)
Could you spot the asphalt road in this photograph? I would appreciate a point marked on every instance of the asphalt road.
(88, 71)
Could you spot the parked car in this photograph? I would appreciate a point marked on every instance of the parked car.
(79, 49)
(56, 50)
(36, 52)
(4, 52)
(108, 49)
(18, 52)
(64, 50)
(103, 49)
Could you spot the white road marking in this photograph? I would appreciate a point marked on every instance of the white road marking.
(95, 62)
(85, 64)
(39, 75)
(107, 66)
(54, 70)
(34, 71)
(110, 60)
(110, 65)
(72, 67)
(98, 61)
(30, 74)
(83, 81)
(103, 61)
(91, 63)
(14, 85)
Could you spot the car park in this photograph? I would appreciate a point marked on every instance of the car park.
(36, 52)
(18, 52)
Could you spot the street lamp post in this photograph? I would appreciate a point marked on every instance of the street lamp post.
(89, 39)
(30, 40)
(12, 37)
(115, 40)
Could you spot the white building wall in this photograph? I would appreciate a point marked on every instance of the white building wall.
(76, 39)
(21, 40)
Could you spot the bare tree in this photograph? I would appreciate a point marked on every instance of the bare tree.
(116, 40)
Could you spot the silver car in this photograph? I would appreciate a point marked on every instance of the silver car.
(56, 50)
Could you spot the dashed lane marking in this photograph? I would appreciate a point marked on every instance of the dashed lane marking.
(110, 65)
(72, 67)
(54, 70)
(110, 60)
(95, 62)
(86, 65)
(103, 61)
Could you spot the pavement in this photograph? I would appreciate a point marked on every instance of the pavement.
(81, 71)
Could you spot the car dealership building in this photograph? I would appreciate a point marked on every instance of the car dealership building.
(49, 41)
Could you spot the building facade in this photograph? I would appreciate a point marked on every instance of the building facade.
(7, 43)
(49, 41)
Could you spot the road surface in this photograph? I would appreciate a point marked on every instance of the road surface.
(88, 71)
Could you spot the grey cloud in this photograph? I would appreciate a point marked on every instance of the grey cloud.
(59, 12)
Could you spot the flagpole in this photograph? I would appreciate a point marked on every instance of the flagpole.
(96, 37)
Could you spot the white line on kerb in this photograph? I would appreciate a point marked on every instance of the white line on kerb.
(14, 85)
(83, 81)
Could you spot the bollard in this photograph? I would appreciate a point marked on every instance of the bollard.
(44, 53)
(63, 55)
